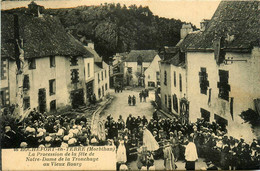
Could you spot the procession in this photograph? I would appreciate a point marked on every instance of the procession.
(140, 140)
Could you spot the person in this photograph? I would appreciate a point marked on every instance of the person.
(134, 100)
(155, 115)
(168, 157)
(94, 99)
(175, 144)
(149, 140)
(144, 95)
(150, 160)
(121, 154)
(147, 92)
(140, 96)
(190, 155)
(121, 88)
(129, 100)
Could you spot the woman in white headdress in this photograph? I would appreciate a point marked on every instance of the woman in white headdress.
(121, 152)
(149, 140)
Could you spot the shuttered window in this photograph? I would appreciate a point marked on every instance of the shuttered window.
(223, 86)
(203, 80)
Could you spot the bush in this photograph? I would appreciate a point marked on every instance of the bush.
(251, 117)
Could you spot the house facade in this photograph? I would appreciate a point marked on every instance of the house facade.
(53, 67)
(4, 90)
(117, 70)
(223, 67)
(135, 64)
(152, 73)
(221, 64)
(101, 82)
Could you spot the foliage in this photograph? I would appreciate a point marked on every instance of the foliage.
(251, 117)
(115, 28)
(7, 119)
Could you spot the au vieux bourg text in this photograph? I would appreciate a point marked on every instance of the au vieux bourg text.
(71, 156)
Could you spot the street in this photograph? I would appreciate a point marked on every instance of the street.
(119, 106)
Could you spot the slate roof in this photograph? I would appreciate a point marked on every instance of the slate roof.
(146, 55)
(175, 55)
(42, 37)
(97, 58)
(97, 68)
(236, 19)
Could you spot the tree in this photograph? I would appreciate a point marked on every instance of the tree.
(251, 117)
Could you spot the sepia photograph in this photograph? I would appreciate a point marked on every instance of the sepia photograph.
(130, 85)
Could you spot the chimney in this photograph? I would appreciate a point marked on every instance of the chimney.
(185, 30)
(90, 44)
(203, 24)
(35, 9)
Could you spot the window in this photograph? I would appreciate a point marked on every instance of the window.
(180, 82)
(149, 77)
(73, 61)
(165, 100)
(170, 103)
(74, 76)
(157, 76)
(175, 102)
(2, 98)
(98, 78)
(52, 61)
(88, 70)
(151, 84)
(32, 63)
(102, 77)
(174, 79)
(105, 74)
(3, 69)
(103, 92)
(223, 85)
(221, 121)
(204, 83)
(106, 86)
(26, 103)
(165, 78)
(129, 69)
(99, 93)
(205, 114)
(26, 83)
(53, 105)
(52, 87)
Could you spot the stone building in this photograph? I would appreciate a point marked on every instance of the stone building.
(53, 62)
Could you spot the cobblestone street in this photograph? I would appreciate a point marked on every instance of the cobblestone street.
(119, 106)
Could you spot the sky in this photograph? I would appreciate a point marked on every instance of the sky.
(186, 10)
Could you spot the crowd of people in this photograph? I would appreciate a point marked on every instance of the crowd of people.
(143, 140)
(210, 139)
(41, 130)
(119, 88)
